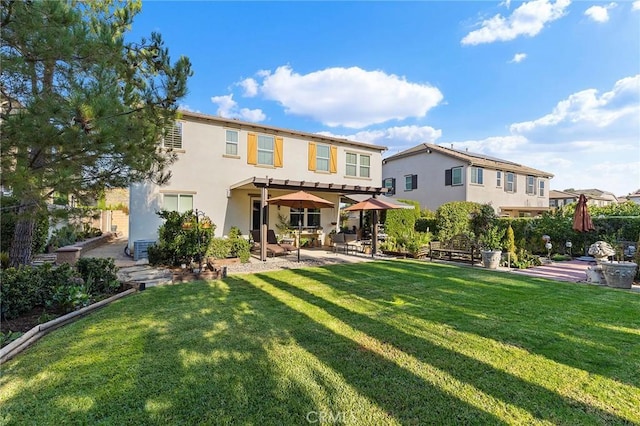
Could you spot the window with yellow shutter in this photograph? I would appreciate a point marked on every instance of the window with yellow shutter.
(322, 158)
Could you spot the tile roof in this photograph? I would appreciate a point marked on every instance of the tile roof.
(471, 158)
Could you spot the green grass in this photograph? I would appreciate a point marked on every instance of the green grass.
(396, 342)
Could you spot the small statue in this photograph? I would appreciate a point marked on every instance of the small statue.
(601, 250)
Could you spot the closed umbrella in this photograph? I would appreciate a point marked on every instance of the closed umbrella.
(582, 220)
(373, 204)
(300, 200)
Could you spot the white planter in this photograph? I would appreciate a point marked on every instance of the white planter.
(619, 274)
(491, 258)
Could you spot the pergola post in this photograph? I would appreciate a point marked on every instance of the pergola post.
(263, 223)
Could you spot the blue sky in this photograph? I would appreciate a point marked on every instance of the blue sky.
(553, 85)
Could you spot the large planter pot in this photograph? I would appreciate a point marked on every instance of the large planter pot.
(619, 274)
(491, 258)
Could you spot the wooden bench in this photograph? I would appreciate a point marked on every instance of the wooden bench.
(459, 248)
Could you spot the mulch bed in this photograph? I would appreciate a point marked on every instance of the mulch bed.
(27, 321)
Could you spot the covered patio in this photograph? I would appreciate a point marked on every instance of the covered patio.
(283, 186)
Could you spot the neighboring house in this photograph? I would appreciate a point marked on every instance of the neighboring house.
(561, 198)
(227, 169)
(635, 197)
(595, 197)
(434, 175)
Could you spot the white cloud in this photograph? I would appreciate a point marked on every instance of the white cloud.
(528, 19)
(186, 107)
(589, 140)
(635, 5)
(250, 87)
(599, 13)
(228, 108)
(519, 57)
(349, 97)
(587, 111)
(400, 137)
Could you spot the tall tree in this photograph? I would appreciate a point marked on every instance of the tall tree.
(83, 109)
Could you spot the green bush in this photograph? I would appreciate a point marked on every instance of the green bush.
(100, 273)
(401, 222)
(220, 248)
(424, 224)
(24, 288)
(182, 239)
(65, 236)
(453, 219)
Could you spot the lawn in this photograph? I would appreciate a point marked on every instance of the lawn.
(395, 342)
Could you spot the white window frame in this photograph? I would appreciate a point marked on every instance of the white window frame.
(322, 162)
(531, 185)
(510, 186)
(179, 197)
(499, 178)
(541, 187)
(408, 181)
(453, 178)
(477, 175)
(266, 151)
(231, 147)
(357, 168)
(173, 137)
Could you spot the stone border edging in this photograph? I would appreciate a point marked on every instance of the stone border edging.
(33, 335)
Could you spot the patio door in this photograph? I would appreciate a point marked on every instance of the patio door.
(255, 214)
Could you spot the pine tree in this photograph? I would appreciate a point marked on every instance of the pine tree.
(82, 109)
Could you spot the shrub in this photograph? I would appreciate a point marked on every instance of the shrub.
(182, 238)
(64, 236)
(4, 260)
(220, 248)
(101, 273)
(424, 224)
(453, 218)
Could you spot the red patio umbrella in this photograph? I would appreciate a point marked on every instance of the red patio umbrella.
(374, 205)
(582, 220)
(300, 200)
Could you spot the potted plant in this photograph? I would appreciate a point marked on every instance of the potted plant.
(618, 273)
(491, 247)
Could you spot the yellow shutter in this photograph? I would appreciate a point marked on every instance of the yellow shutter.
(277, 161)
(312, 156)
(333, 160)
(252, 148)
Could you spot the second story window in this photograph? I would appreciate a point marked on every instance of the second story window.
(322, 158)
(477, 175)
(499, 179)
(453, 176)
(541, 188)
(173, 137)
(531, 185)
(390, 184)
(231, 142)
(265, 150)
(358, 164)
(510, 182)
(410, 182)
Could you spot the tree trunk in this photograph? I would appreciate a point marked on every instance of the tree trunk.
(20, 249)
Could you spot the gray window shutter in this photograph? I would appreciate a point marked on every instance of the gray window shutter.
(447, 177)
(414, 181)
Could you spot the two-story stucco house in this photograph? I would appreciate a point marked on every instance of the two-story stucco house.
(434, 175)
(228, 168)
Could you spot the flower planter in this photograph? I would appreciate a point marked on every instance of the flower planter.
(491, 258)
(619, 274)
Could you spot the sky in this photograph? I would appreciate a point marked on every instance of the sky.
(553, 85)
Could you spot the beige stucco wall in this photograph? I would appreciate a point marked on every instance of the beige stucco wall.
(205, 171)
(432, 192)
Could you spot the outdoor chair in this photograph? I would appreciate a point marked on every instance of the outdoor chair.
(273, 249)
(272, 239)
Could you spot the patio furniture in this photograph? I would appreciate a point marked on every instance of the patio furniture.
(459, 248)
(273, 249)
(346, 242)
(272, 239)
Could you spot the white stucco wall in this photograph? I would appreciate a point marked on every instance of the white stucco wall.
(204, 171)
